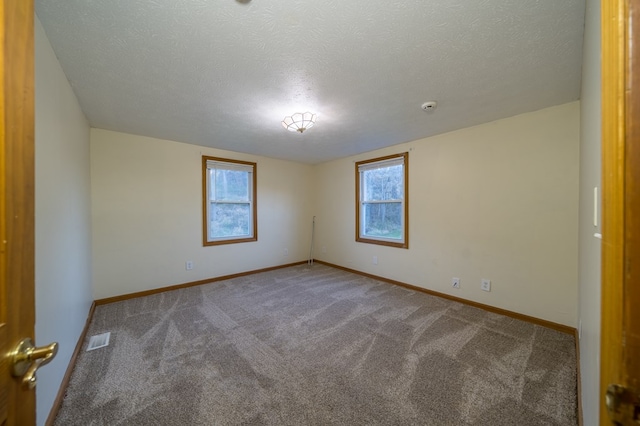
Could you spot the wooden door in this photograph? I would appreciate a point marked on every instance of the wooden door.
(620, 343)
(17, 402)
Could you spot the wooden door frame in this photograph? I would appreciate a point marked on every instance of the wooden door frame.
(615, 179)
(17, 203)
(631, 319)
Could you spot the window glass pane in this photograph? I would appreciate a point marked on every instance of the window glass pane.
(231, 185)
(382, 220)
(385, 183)
(229, 220)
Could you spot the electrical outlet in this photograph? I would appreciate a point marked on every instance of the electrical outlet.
(455, 282)
(375, 260)
(286, 252)
(485, 285)
(188, 265)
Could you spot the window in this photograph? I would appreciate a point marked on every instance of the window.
(229, 201)
(381, 209)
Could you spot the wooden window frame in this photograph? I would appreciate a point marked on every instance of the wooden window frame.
(405, 203)
(206, 202)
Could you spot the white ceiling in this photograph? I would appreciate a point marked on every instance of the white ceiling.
(224, 73)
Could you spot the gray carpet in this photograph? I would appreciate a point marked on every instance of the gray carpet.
(317, 346)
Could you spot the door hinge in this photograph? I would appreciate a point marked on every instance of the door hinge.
(623, 405)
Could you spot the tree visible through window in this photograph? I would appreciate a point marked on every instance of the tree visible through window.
(381, 209)
(229, 199)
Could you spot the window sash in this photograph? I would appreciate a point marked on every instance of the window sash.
(363, 189)
(211, 227)
(364, 223)
(211, 185)
(362, 171)
(399, 200)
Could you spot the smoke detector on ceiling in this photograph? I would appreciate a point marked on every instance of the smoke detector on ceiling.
(429, 106)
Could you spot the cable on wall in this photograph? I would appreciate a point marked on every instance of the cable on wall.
(313, 228)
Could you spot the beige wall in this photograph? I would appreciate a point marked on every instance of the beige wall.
(63, 218)
(590, 165)
(496, 201)
(147, 214)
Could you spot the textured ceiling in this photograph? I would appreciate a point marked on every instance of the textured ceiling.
(224, 73)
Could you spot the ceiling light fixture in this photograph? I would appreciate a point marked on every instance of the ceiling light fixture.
(299, 122)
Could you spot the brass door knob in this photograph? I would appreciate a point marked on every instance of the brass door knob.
(26, 358)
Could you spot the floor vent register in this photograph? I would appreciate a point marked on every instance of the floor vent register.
(99, 341)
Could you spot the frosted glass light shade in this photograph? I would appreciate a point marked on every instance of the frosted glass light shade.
(299, 122)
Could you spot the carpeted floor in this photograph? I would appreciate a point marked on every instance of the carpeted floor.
(317, 346)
